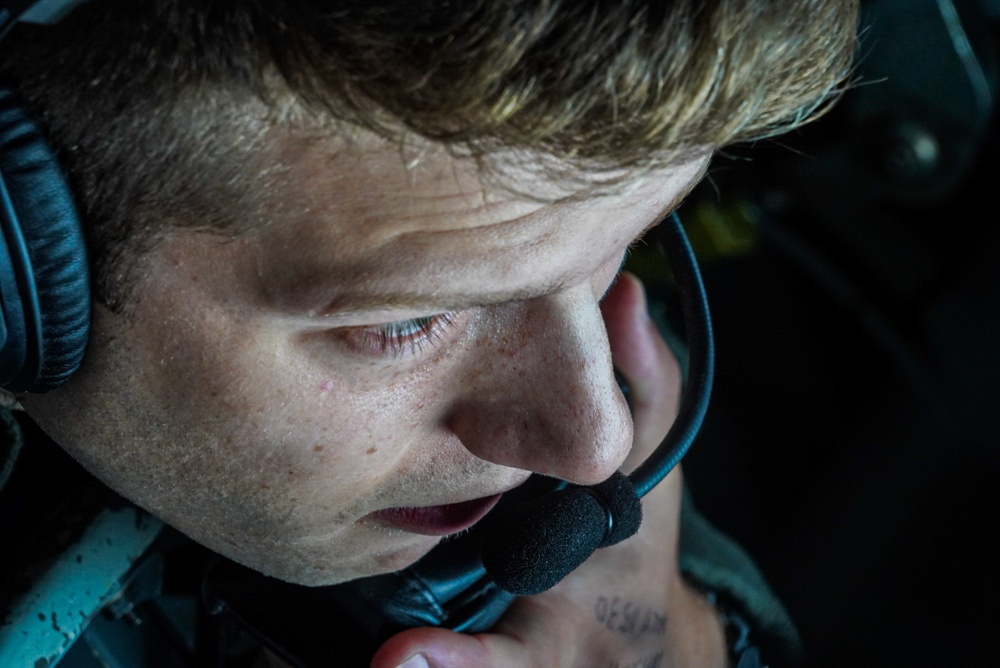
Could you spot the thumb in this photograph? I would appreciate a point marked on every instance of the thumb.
(441, 648)
(429, 648)
(530, 634)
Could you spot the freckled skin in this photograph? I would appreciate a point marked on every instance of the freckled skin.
(218, 402)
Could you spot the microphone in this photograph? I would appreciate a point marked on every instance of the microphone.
(536, 544)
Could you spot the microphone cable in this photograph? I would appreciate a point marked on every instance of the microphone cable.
(697, 387)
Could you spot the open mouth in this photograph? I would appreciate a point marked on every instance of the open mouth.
(438, 520)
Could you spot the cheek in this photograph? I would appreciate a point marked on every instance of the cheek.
(291, 413)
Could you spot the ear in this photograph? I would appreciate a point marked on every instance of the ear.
(9, 400)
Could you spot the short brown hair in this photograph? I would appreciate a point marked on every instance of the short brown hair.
(155, 105)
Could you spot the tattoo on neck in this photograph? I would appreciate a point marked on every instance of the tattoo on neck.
(628, 617)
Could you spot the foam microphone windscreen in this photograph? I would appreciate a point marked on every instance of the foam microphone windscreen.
(620, 498)
(537, 544)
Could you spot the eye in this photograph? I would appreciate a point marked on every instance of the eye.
(403, 336)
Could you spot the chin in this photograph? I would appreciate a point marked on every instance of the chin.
(320, 571)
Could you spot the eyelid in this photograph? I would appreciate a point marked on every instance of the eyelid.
(410, 336)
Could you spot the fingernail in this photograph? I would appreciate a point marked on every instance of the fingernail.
(415, 661)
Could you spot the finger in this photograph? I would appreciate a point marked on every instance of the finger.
(527, 637)
(440, 648)
(430, 647)
(643, 358)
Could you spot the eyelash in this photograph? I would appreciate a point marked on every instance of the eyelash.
(406, 336)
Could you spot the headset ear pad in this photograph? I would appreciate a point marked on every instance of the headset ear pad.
(47, 254)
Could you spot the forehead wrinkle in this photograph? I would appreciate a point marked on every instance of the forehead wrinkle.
(370, 300)
(371, 286)
(518, 238)
(408, 239)
(355, 247)
(541, 211)
(516, 233)
(436, 212)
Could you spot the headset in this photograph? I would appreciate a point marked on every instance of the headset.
(44, 282)
(534, 538)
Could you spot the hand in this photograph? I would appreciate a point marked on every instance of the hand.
(626, 606)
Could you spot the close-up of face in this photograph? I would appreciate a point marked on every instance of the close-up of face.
(325, 396)
(401, 334)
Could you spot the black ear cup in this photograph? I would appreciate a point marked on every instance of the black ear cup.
(44, 281)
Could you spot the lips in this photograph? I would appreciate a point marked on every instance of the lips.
(437, 520)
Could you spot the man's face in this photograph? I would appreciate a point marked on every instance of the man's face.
(326, 395)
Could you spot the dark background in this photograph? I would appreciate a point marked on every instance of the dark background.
(853, 270)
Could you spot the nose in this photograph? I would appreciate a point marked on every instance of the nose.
(540, 395)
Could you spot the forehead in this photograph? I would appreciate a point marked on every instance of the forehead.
(364, 215)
